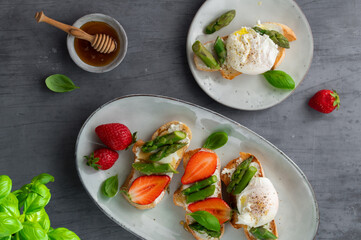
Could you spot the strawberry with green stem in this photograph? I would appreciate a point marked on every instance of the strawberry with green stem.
(325, 101)
(115, 136)
(102, 158)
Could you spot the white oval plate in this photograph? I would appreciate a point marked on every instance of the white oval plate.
(251, 92)
(297, 217)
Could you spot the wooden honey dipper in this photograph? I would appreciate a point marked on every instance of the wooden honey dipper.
(100, 42)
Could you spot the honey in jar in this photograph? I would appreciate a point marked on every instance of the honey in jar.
(87, 53)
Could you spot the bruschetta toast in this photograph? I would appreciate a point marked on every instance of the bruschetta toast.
(201, 191)
(226, 70)
(236, 200)
(155, 163)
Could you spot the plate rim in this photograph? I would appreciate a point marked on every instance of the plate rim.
(202, 108)
(189, 60)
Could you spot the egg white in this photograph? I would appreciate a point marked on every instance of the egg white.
(249, 52)
(257, 203)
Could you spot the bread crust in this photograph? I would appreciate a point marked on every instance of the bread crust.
(287, 32)
(281, 55)
(229, 73)
(133, 173)
(180, 200)
(226, 178)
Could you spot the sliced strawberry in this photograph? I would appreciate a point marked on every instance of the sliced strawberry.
(215, 206)
(201, 165)
(146, 189)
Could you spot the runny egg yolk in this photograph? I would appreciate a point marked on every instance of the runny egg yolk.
(241, 32)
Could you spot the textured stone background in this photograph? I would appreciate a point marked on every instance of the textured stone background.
(38, 128)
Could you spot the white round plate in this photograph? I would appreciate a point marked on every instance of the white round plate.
(298, 215)
(251, 92)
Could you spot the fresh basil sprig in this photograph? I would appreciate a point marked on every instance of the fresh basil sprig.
(60, 83)
(279, 79)
(110, 186)
(22, 213)
(207, 220)
(216, 140)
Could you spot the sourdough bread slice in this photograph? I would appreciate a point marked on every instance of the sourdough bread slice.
(143, 157)
(226, 179)
(227, 71)
(180, 200)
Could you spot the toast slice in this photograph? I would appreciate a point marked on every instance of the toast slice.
(226, 178)
(143, 157)
(227, 71)
(180, 200)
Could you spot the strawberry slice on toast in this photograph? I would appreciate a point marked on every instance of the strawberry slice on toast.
(146, 189)
(215, 206)
(200, 164)
(141, 157)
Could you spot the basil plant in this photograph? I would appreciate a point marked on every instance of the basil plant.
(22, 213)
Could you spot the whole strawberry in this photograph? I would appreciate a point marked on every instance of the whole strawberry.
(115, 135)
(102, 158)
(325, 101)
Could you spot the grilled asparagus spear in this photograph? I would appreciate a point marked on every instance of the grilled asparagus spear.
(221, 22)
(205, 55)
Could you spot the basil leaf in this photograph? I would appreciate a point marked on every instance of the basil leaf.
(279, 79)
(32, 231)
(9, 225)
(207, 220)
(5, 186)
(62, 234)
(60, 83)
(5, 238)
(9, 205)
(199, 228)
(22, 194)
(43, 178)
(37, 199)
(110, 186)
(40, 217)
(216, 140)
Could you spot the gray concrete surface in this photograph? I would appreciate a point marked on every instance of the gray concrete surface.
(38, 128)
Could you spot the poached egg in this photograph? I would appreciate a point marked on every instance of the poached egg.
(257, 203)
(250, 52)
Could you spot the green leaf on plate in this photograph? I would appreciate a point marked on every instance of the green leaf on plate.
(110, 186)
(60, 83)
(279, 79)
(216, 140)
(207, 220)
